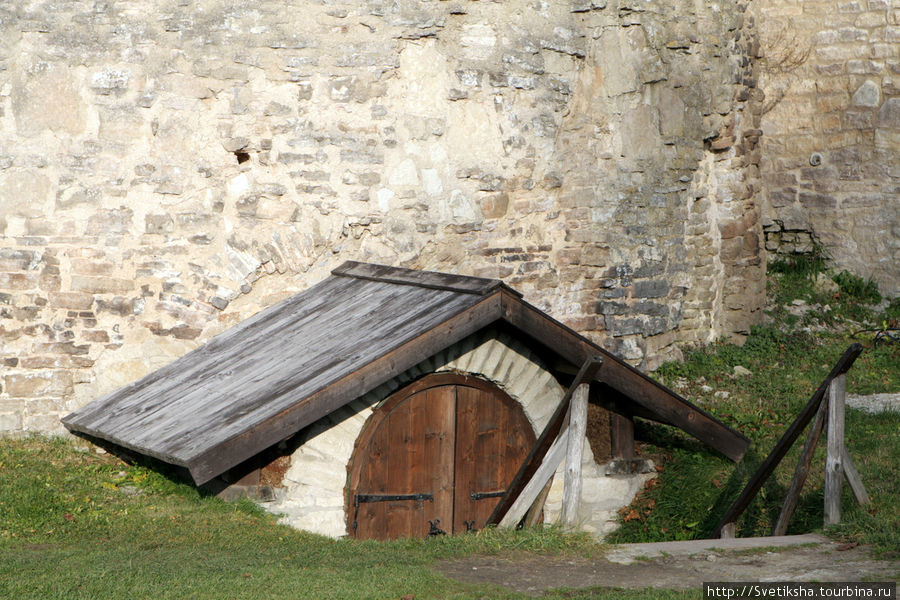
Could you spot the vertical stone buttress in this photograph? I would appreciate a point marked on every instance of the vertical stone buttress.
(659, 163)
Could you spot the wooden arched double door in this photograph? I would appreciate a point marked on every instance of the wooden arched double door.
(435, 457)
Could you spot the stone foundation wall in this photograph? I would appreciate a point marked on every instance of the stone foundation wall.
(830, 71)
(168, 168)
(314, 493)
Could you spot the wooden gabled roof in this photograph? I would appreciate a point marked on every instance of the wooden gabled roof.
(295, 362)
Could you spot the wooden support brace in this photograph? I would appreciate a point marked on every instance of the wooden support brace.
(533, 516)
(852, 476)
(800, 472)
(535, 457)
(533, 489)
(834, 468)
(574, 450)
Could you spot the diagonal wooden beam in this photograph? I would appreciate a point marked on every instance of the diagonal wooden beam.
(533, 461)
(800, 472)
(787, 440)
(853, 478)
(533, 490)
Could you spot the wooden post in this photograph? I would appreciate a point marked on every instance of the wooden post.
(574, 449)
(800, 472)
(834, 469)
(852, 475)
(532, 489)
(621, 435)
(727, 531)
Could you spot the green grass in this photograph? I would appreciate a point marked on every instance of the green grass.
(75, 524)
(788, 359)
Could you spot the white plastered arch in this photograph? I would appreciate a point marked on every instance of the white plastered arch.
(314, 485)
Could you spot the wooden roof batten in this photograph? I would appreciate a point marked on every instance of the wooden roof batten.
(248, 389)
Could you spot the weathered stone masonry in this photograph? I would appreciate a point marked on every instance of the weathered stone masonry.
(832, 132)
(167, 168)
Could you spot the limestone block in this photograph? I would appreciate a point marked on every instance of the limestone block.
(671, 113)
(887, 141)
(10, 422)
(478, 40)
(114, 221)
(459, 209)
(46, 97)
(23, 193)
(101, 285)
(431, 182)
(494, 206)
(110, 80)
(272, 209)
(40, 383)
(404, 174)
(889, 115)
(119, 125)
(619, 75)
(44, 423)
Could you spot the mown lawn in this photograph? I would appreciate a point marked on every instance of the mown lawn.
(75, 524)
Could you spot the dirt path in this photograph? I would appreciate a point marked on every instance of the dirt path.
(680, 565)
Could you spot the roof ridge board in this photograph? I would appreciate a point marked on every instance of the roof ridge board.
(464, 284)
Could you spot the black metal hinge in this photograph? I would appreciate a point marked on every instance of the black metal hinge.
(434, 530)
(364, 498)
(483, 495)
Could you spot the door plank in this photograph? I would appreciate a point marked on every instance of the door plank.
(467, 457)
(440, 434)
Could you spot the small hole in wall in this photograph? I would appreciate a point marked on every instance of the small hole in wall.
(241, 156)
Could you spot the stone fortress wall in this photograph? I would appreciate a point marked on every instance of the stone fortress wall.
(170, 167)
(831, 123)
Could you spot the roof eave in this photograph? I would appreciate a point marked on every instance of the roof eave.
(660, 402)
